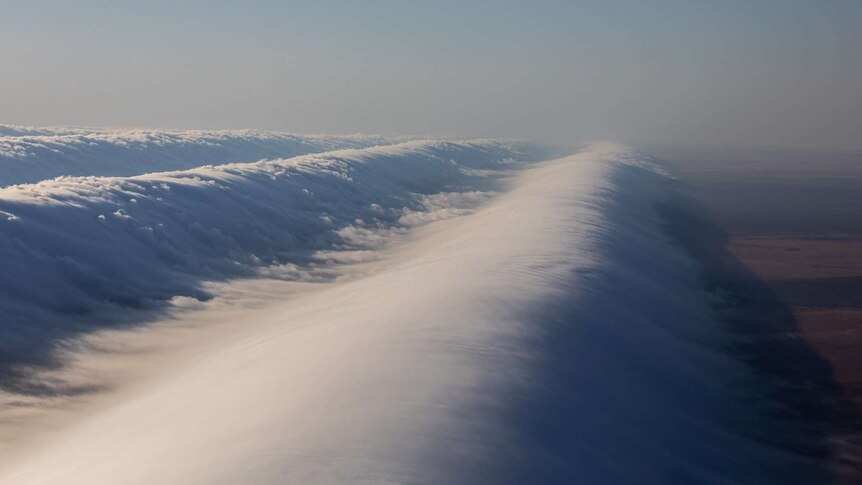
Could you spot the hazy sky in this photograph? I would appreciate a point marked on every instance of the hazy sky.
(739, 72)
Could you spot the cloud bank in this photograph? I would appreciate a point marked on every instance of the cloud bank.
(555, 335)
(30, 154)
(79, 253)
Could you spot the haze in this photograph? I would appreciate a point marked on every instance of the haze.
(766, 73)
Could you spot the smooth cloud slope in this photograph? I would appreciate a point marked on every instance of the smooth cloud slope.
(554, 336)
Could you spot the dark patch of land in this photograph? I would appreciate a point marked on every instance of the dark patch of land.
(795, 220)
(788, 265)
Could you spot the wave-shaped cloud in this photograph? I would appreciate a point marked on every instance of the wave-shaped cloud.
(556, 335)
(29, 154)
(78, 253)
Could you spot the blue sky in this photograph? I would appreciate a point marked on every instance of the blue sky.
(774, 73)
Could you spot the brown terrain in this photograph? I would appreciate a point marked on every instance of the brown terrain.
(779, 238)
(781, 251)
(795, 221)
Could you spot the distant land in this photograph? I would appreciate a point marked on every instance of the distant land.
(792, 221)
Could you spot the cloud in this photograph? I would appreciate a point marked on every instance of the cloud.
(555, 335)
(80, 253)
(29, 154)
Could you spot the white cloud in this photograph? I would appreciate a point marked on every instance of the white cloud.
(30, 154)
(555, 335)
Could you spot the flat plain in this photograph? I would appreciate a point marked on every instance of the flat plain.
(794, 219)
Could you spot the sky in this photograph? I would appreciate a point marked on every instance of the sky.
(771, 73)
